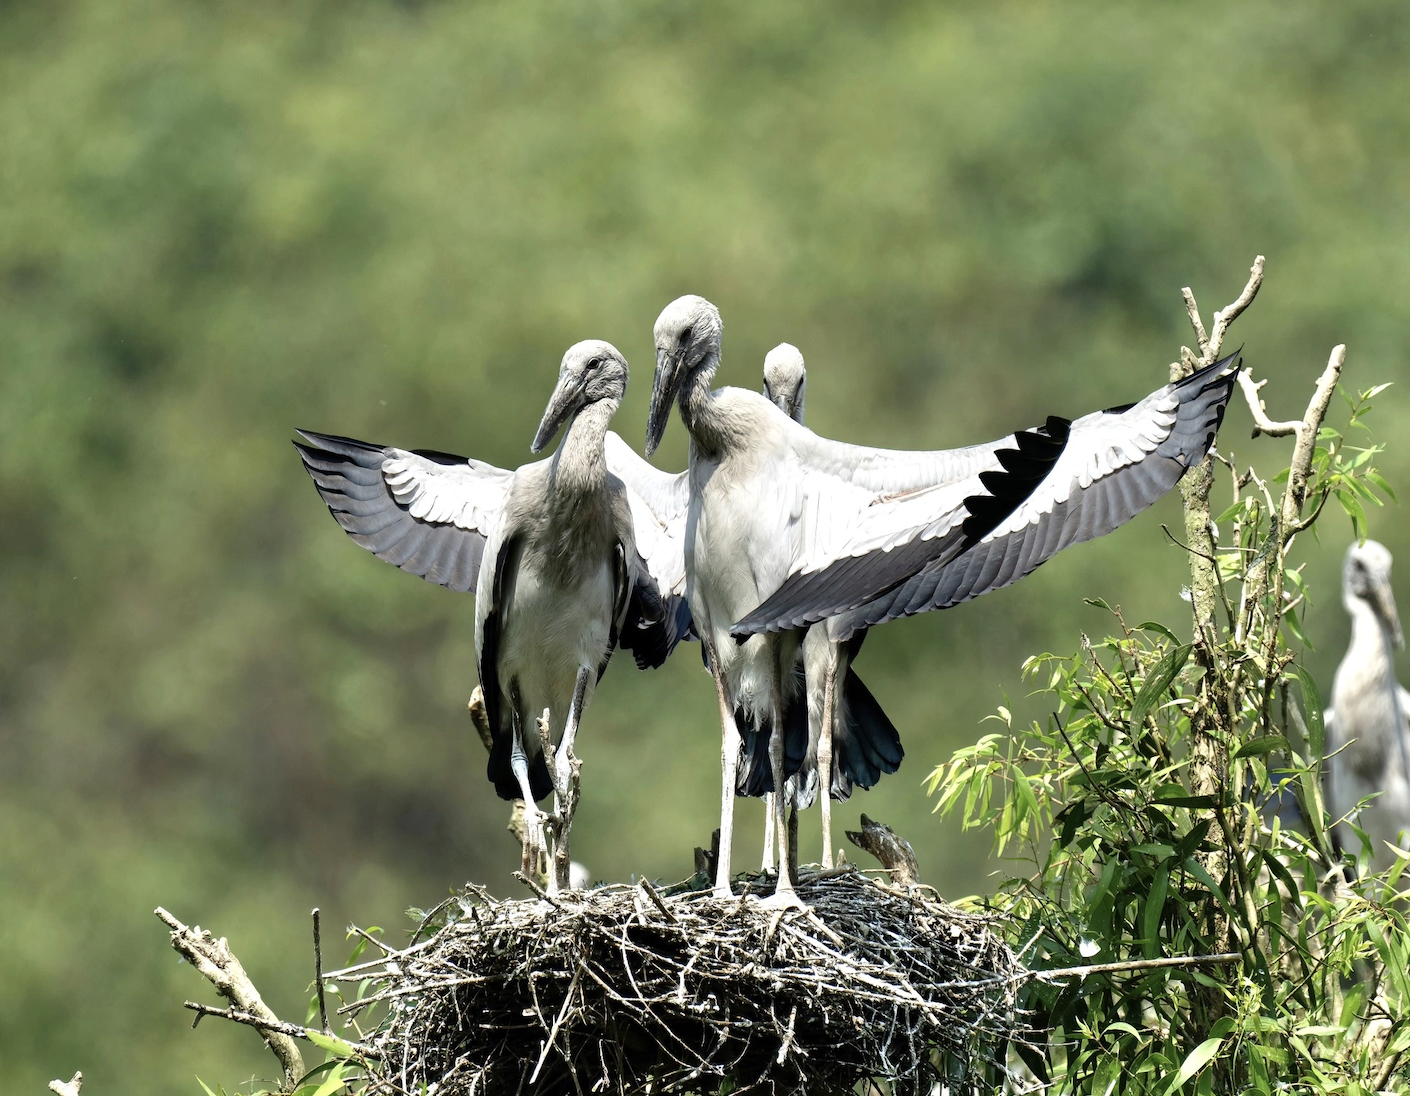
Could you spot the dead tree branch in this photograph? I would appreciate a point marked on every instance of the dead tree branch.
(214, 960)
(890, 848)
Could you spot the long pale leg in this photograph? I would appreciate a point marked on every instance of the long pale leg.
(825, 753)
(784, 894)
(769, 861)
(729, 766)
(534, 844)
(565, 783)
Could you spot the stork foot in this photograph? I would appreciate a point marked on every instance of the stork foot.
(783, 900)
(534, 859)
(724, 893)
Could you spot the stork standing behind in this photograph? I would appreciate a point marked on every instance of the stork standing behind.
(769, 499)
(866, 742)
(1368, 736)
(564, 580)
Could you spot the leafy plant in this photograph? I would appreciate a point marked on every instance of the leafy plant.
(1151, 809)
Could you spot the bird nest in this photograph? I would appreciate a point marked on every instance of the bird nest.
(629, 989)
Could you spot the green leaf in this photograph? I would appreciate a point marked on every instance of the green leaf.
(1257, 747)
(332, 1044)
(332, 1084)
(1154, 907)
(1157, 681)
(1312, 708)
(1196, 1061)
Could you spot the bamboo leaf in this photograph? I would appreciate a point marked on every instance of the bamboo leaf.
(1157, 681)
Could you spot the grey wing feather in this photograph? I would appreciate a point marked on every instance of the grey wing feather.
(1112, 465)
(425, 512)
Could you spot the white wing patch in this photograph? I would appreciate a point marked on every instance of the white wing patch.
(469, 496)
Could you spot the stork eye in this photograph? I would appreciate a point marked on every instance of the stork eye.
(596, 363)
(685, 335)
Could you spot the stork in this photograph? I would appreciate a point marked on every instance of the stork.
(553, 554)
(866, 742)
(775, 509)
(1368, 736)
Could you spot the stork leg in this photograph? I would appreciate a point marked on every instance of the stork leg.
(769, 861)
(825, 753)
(565, 782)
(729, 766)
(784, 895)
(534, 849)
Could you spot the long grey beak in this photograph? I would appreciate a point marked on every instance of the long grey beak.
(1384, 600)
(561, 407)
(662, 392)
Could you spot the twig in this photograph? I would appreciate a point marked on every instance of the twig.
(890, 848)
(69, 1087)
(318, 970)
(1227, 315)
(1138, 964)
(1306, 447)
(657, 901)
(214, 960)
(278, 1027)
(1262, 424)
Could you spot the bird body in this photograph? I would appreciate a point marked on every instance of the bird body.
(814, 529)
(1368, 734)
(566, 559)
(558, 595)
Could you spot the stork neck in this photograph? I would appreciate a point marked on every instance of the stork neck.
(578, 463)
(1371, 641)
(698, 410)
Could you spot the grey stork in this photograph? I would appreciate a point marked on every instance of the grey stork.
(1368, 736)
(786, 528)
(866, 742)
(552, 551)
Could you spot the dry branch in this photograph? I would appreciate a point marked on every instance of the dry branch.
(890, 848)
(69, 1087)
(217, 964)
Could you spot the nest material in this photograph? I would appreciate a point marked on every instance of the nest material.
(624, 989)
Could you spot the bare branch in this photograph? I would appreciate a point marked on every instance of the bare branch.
(69, 1087)
(1193, 310)
(889, 847)
(277, 1027)
(1139, 964)
(1262, 424)
(318, 969)
(1225, 316)
(214, 960)
(1296, 492)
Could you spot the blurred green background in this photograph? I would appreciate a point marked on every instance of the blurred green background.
(222, 220)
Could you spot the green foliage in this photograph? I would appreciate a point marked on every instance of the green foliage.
(1136, 853)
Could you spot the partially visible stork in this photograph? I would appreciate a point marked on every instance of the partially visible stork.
(1368, 736)
(564, 581)
(850, 729)
(769, 499)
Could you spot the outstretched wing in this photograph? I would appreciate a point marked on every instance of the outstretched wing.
(425, 512)
(659, 502)
(1051, 488)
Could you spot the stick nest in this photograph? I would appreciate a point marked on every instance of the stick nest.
(627, 989)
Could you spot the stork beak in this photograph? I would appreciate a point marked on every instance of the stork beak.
(562, 405)
(1384, 601)
(663, 390)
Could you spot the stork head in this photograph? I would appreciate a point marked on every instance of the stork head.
(785, 379)
(687, 342)
(592, 371)
(1365, 578)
